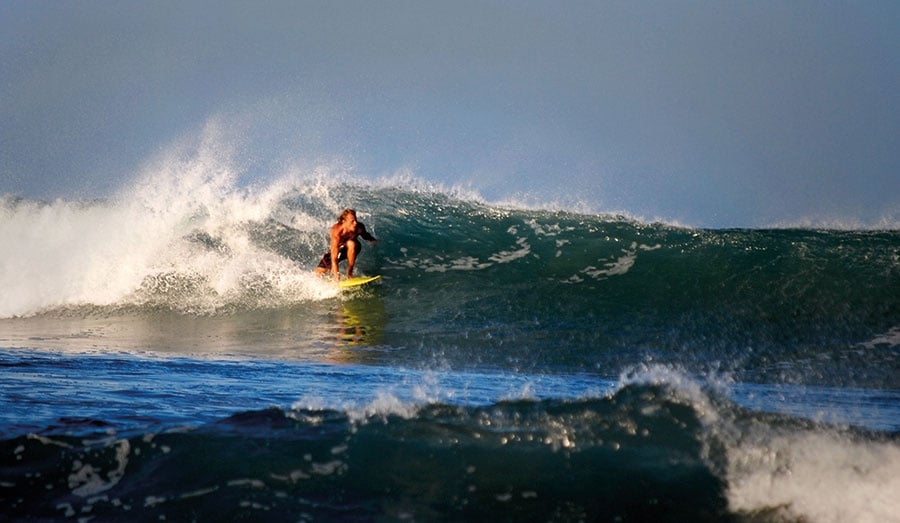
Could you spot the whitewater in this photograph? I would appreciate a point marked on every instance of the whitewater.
(167, 353)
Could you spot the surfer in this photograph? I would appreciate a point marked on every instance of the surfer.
(344, 244)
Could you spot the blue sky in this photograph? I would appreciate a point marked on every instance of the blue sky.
(713, 114)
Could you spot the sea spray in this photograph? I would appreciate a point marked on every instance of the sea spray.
(815, 475)
(183, 227)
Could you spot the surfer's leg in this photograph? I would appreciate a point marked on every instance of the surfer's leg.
(324, 264)
(353, 249)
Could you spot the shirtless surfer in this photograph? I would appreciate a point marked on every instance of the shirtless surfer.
(344, 245)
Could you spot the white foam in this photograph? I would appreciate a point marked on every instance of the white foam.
(85, 480)
(617, 267)
(68, 253)
(65, 253)
(384, 404)
(817, 477)
(890, 338)
(465, 263)
(510, 256)
(549, 229)
(683, 387)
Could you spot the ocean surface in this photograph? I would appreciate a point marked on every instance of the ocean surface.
(167, 354)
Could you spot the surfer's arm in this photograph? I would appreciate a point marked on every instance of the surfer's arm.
(364, 234)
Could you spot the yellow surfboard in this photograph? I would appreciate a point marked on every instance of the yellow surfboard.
(356, 282)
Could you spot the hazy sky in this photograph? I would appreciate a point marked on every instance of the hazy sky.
(720, 113)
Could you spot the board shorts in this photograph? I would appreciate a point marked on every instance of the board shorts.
(325, 262)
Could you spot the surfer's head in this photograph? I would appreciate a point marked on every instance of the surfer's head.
(345, 213)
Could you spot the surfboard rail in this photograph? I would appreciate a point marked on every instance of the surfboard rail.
(351, 283)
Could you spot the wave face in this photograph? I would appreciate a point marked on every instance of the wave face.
(581, 290)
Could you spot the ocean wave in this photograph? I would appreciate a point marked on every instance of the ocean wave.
(187, 231)
(581, 291)
(662, 446)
